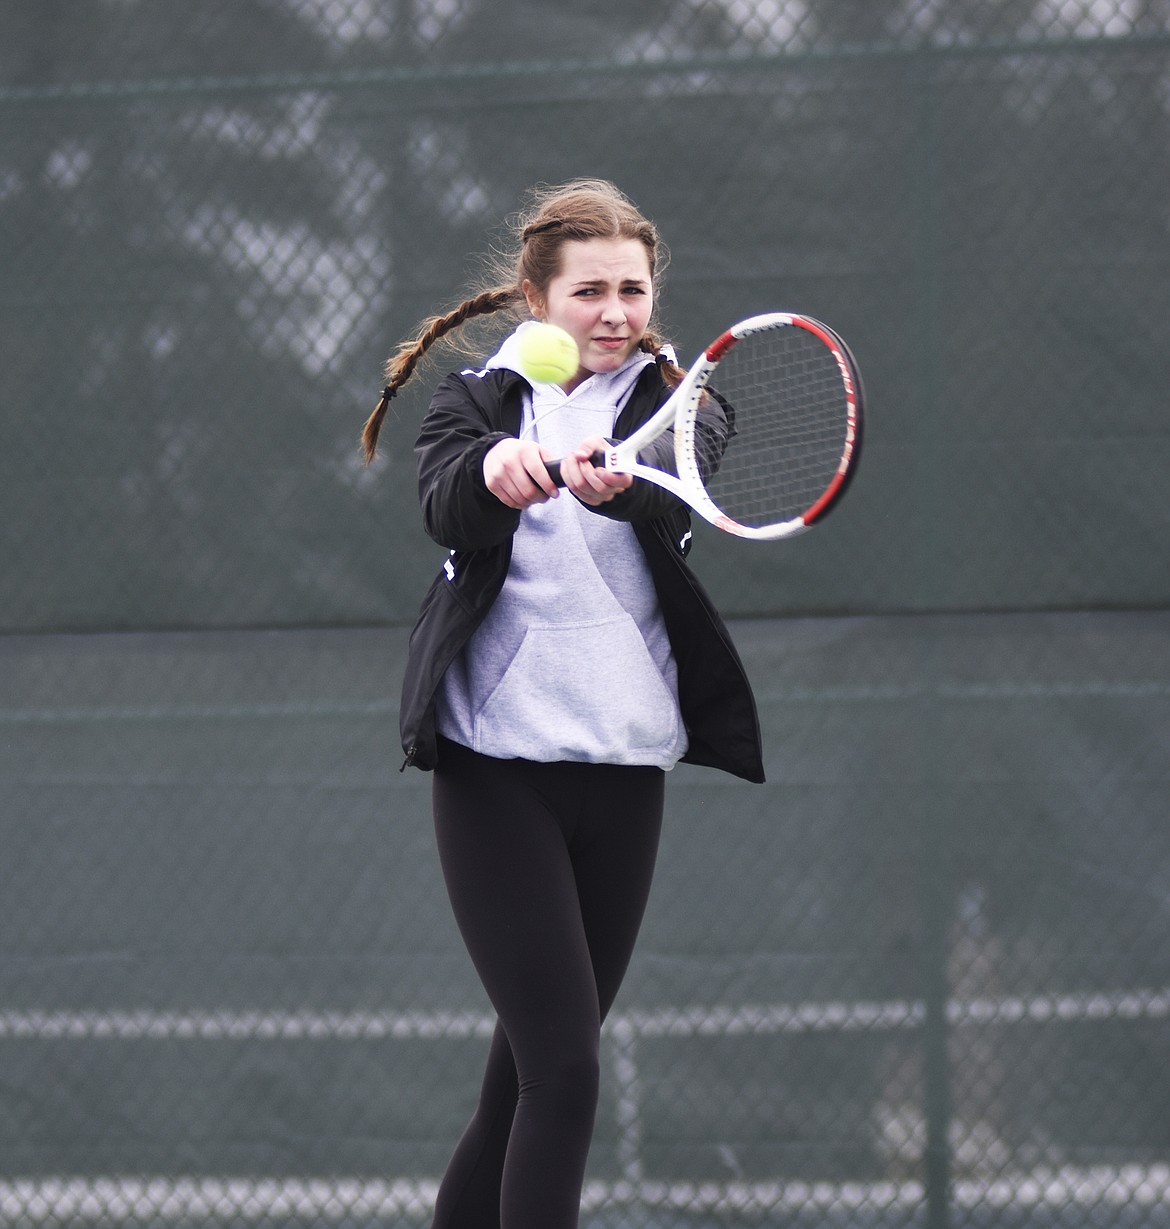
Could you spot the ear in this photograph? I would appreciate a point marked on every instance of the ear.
(535, 299)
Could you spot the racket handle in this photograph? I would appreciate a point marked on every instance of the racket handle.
(554, 467)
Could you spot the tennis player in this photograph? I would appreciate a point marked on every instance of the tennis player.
(564, 659)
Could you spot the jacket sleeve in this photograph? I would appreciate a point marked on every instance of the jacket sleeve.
(458, 510)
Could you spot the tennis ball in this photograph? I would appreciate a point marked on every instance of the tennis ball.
(548, 355)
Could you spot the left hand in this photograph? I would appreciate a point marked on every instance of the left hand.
(591, 484)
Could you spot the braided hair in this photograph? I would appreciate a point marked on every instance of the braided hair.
(579, 210)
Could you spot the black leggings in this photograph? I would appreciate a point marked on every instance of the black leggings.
(548, 867)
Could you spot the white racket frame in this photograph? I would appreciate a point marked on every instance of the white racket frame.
(681, 412)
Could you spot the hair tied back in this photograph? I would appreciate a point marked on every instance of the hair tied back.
(541, 228)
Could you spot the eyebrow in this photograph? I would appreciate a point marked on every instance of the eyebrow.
(603, 281)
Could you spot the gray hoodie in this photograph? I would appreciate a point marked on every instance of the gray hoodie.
(573, 660)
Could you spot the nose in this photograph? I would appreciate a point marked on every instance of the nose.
(612, 311)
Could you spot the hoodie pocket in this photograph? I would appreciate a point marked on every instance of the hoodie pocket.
(584, 691)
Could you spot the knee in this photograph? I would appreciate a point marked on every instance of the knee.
(567, 1086)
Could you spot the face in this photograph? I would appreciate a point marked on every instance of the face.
(602, 297)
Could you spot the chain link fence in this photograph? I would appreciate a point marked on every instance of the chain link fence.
(920, 979)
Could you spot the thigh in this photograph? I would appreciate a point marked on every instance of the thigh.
(614, 853)
(510, 879)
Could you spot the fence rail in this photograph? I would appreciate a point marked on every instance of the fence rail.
(175, 1198)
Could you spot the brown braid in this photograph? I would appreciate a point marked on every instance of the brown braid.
(401, 365)
(672, 373)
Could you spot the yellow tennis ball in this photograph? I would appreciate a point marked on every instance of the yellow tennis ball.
(548, 355)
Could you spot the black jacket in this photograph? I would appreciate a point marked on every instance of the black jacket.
(469, 414)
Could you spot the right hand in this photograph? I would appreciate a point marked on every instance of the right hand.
(592, 484)
(515, 474)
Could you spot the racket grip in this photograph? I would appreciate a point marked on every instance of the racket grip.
(554, 467)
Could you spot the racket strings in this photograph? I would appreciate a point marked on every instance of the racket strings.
(785, 395)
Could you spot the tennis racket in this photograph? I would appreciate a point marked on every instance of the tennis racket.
(791, 393)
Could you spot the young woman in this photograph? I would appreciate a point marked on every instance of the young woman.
(564, 659)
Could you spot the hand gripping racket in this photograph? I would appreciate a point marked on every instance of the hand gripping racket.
(791, 395)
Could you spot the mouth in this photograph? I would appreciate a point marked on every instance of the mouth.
(611, 343)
